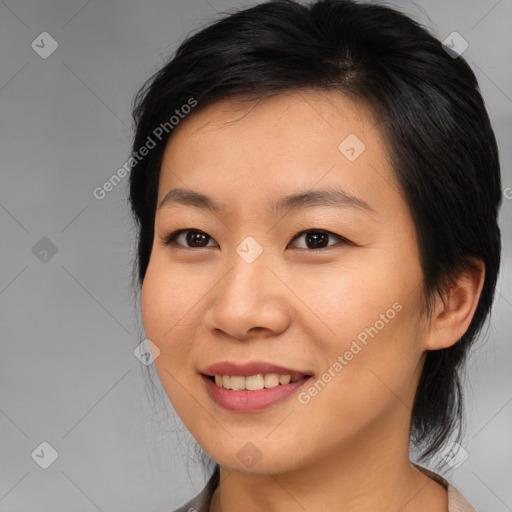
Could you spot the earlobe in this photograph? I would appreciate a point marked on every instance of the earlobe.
(454, 312)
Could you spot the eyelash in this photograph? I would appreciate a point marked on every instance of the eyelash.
(170, 239)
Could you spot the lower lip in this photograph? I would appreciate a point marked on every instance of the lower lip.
(248, 401)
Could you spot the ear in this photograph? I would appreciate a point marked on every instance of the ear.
(454, 311)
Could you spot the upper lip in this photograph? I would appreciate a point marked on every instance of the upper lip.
(251, 368)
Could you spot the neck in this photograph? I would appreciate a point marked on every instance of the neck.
(371, 473)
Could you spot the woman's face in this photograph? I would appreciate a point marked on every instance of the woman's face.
(326, 288)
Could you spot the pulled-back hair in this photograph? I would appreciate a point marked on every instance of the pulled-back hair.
(429, 110)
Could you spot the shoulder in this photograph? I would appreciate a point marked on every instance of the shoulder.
(456, 501)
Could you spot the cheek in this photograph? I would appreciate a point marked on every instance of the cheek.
(343, 300)
(364, 382)
(370, 337)
(165, 311)
(152, 299)
(376, 358)
(164, 308)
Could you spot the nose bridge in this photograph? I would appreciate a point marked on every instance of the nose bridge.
(247, 280)
(248, 259)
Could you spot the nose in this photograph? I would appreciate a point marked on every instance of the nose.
(250, 301)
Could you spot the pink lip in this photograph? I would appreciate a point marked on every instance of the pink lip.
(249, 401)
(253, 368)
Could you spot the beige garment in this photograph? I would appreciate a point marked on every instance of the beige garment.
(456, 501)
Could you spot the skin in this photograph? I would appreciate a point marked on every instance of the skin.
(297, 306)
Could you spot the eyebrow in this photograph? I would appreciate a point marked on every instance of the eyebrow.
(326, 197)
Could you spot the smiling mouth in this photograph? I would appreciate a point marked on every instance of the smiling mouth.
(254, 382)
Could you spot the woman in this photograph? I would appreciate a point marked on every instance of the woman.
(317, 201)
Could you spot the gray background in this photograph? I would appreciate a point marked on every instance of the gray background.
(68, 375)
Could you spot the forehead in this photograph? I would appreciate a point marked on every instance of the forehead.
(280, 144)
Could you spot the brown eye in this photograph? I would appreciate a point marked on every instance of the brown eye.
(194, 238)
(189, 238)
(317, 239)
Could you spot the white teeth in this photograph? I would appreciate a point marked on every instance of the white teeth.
(271, 380)
(237, 382)
(284, 379)
(254, 382)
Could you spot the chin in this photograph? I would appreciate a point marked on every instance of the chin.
(256, 458)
